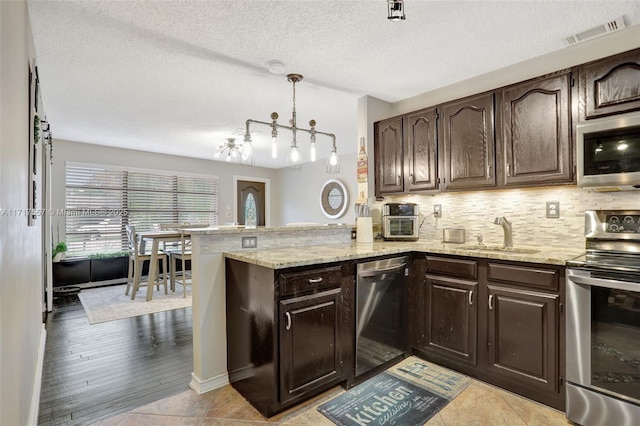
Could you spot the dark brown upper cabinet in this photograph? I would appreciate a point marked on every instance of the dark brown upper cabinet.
(535, 125)
(610, 86)
(389, 158)
(421, 150)
(467, 138)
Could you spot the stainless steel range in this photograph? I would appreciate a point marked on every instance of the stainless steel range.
(603, 322)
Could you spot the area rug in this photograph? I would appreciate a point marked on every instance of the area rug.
(110, 303)
(409, 393)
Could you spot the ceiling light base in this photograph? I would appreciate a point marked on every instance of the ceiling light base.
(294, 78)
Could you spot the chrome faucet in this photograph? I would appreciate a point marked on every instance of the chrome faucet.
(506, 227)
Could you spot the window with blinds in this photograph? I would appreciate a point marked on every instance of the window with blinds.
(100, 201)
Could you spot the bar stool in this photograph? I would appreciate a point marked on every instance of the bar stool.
(136, 262)
(183, 254)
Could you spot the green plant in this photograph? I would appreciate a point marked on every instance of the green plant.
(36, 130)
(60, 248)
(108, 255)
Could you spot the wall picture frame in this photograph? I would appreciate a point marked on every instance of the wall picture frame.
(33, 133)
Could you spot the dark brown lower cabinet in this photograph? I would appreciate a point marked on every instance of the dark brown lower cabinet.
(289, 332)
(451, 318)
(523, 337)
(501, 322)
(310, 342)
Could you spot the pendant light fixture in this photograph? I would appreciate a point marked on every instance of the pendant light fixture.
(396, 10)
(294, 156)
(242, 153)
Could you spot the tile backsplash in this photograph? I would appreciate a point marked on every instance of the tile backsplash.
(524, 208)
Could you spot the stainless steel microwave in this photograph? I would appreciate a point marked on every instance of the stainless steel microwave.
(608, 153)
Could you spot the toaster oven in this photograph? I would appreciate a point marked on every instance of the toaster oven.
(400, 221)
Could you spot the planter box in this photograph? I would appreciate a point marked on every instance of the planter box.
(83, 271)
(69, 272)
(109, 268)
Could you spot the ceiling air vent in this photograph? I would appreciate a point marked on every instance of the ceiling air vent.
(609, 27)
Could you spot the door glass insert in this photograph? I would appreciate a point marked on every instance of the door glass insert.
(250, 212)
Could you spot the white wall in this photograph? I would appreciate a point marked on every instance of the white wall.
(21, 329)
(64, 151)
(299, 191)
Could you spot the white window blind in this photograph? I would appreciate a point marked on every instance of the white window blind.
(100, 201)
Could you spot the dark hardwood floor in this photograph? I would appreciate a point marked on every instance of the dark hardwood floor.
(92, 372)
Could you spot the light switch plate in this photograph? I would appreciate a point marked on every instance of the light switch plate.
(249, 242)
(553, 209)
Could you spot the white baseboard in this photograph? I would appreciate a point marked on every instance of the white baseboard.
(203, 386)
(37, 381)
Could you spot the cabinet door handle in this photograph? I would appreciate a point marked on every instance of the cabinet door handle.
(315, 280)
(398, 180)
(491, 302)
(471, 297)
(288, 325)
(508, 169)
(489, 172)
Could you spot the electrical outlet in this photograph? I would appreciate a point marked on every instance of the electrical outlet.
(249, 242)
(437, 210)
(553, 209)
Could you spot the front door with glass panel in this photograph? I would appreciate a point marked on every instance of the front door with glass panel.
(251, 203)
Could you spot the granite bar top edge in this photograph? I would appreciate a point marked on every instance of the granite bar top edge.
(294, 256)
(237, 229)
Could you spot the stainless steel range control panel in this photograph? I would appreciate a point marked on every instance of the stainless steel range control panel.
(622, 223)
(612, 225)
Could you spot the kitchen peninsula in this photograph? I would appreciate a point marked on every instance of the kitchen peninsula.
(285, 248)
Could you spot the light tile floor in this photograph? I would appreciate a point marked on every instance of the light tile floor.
(478, 404)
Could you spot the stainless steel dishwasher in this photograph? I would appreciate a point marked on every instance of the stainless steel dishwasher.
(381, 312)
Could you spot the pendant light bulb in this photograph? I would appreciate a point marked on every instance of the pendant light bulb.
(229, 156)
(216, 155)
(313, 151)
(274, 147)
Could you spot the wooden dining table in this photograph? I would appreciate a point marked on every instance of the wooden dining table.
(155, 237)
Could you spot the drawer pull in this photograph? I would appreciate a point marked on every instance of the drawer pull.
(315, 280)
(491, 302)
(288, 325)
(471, 298)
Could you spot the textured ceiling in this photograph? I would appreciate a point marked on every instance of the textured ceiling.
(180, 77)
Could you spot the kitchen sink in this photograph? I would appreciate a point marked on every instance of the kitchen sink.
(500, 249)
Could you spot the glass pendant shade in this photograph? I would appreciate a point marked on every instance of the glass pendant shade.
(333, 163)
(294, 155)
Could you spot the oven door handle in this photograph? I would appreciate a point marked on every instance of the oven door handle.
(581, 278)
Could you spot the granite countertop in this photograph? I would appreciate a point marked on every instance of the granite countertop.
(297, 256)
(236, 229)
